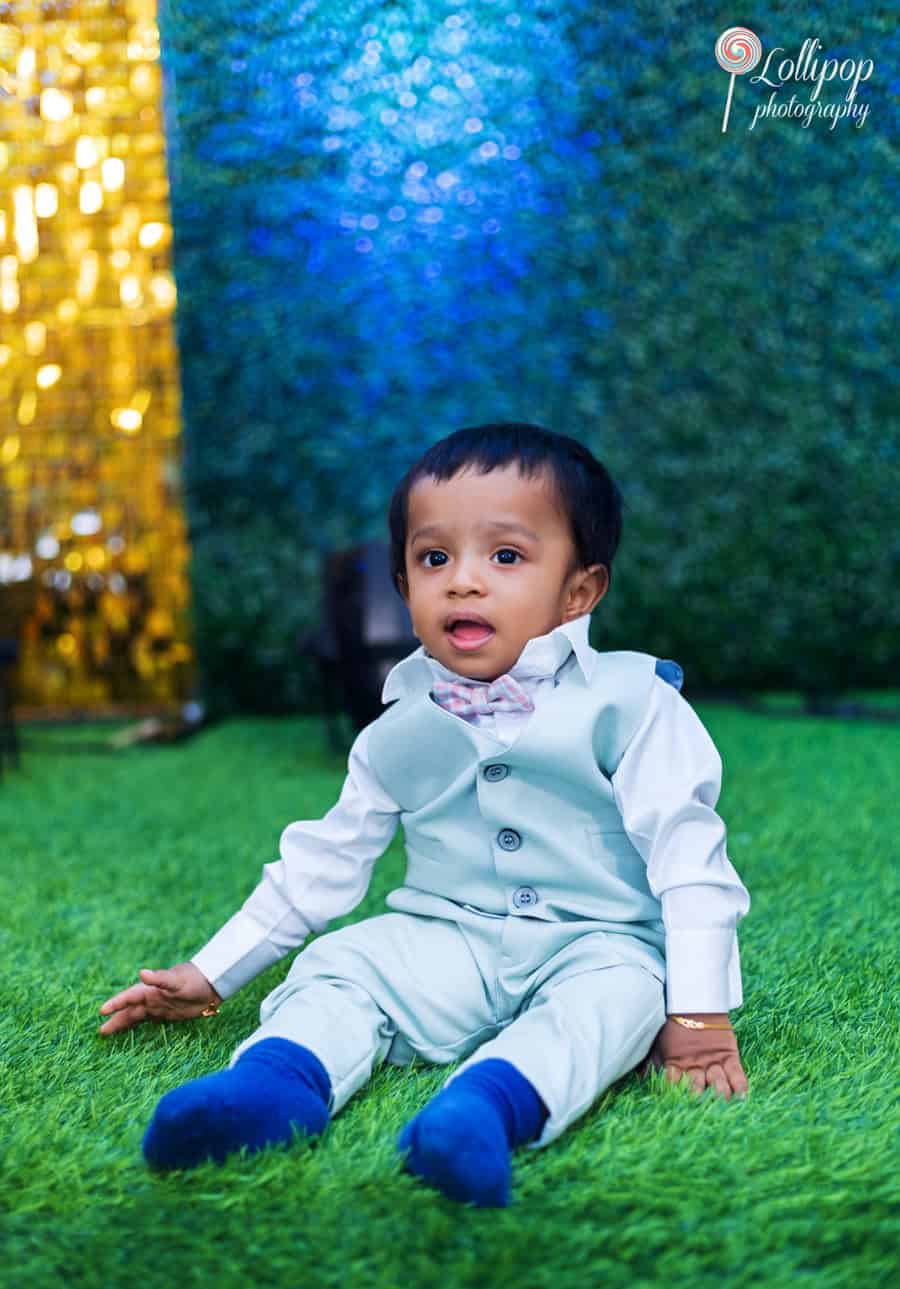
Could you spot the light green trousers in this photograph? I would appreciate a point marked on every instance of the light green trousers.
(542, 995)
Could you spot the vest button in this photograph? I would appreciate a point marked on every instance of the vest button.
(524, 897)
(509, 839)
(494, 773)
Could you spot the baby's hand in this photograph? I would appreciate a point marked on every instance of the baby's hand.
(706, 1057)
(181, 993)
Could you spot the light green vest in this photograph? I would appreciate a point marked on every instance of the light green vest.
(530, 829)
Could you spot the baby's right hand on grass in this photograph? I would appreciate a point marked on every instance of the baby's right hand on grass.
(181, 993)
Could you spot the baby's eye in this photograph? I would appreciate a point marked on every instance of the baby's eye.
(508, 550)
(427, 553)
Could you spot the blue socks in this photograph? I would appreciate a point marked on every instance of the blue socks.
(461, 1142)
(273, 1087)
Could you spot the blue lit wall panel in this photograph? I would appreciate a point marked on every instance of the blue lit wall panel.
(393, 220)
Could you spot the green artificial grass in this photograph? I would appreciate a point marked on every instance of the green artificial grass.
(117, 861)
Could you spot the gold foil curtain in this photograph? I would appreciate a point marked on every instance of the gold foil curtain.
(93, 542)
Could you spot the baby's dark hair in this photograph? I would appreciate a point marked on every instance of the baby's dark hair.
(584, 488)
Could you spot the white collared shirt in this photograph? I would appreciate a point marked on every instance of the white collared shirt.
(666, 788)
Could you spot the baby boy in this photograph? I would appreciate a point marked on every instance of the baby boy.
(568, 911)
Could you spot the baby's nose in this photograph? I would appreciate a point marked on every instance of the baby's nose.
(466, 574)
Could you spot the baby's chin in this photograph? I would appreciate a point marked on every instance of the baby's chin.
(484, 669)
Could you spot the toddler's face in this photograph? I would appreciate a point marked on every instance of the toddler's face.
(476, 561)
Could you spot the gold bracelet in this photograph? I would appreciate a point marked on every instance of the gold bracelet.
(211, 1009)
(697, 1024)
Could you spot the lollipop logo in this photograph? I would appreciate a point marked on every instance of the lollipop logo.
(738, 50)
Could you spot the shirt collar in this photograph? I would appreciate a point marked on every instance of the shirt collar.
(542, 656)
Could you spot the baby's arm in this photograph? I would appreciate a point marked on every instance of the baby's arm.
(324, 871)
(666, 786)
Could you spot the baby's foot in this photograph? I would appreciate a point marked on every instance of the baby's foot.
(462, 1141)
(274, 1087)
(458, 1145)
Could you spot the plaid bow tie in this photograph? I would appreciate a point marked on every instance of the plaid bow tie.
(482, 698)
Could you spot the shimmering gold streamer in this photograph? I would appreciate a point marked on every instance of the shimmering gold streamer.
(93, 543)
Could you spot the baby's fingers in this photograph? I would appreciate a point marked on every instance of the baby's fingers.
(124, 1019)
(139, 1003)
(717, 1078)
(736, 1075)
(127, 998)
(694, 1075)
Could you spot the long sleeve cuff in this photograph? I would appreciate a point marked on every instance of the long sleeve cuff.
(703, 970)
(238, 952)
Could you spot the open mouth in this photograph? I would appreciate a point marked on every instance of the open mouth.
(469, 635)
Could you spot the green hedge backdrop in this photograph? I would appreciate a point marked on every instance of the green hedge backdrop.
(392, 220)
